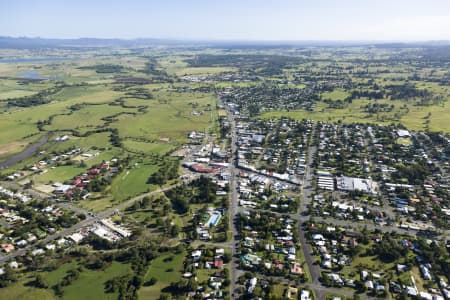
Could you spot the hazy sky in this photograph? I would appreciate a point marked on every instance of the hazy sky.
(229, 19)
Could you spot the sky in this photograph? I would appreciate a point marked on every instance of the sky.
(271, 20)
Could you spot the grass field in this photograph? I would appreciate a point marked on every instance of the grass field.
(86, 118)
(171, 117)
(148, 147)
(204, 70)
(132, 182)
(90, 285)
(165, 272)
(18, 291)
(336, 94)
(97, 140)
(59, 174)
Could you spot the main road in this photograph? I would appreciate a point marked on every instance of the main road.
(233, 209)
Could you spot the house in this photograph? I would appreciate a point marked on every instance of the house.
(251, 259)
(76, 237)
(369, 284)
(305, 295)
(215, 282)
(252, 285)
(218, 263)
(296, 269)
(7, 247)
(196, 254)
(37, 252)
(291, 292)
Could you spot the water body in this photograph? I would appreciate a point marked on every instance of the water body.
(29, 151)
(31, 75)
(36, 59)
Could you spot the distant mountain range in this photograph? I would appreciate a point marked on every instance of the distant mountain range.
(30, 43)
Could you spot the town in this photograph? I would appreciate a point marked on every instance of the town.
(188, 171)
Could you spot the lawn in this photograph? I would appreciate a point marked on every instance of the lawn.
(97, 205)
(20, 292)
(165, 271)
(132, 182)
(91, 284)
(59, 174)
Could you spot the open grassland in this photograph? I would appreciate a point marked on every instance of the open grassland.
(147, 147)
(22, 123)
(336, 94)
(95, 140)
(166, 269)
(13, 89)
(87, 118)
(439, 118)
(170, 117)
(204, 70)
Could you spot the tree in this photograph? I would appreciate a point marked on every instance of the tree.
(40, 282)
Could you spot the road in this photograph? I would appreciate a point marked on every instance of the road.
(88, 221)
(234, 272)
(306, 192)
(29, 151)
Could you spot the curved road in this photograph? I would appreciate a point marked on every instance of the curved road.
(29, 151)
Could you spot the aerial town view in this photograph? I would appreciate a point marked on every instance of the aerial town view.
(225, 150)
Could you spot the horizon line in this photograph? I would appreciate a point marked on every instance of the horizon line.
(230, 39)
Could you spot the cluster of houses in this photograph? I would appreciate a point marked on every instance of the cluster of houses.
(409, 195)
(372, 156)
(271, 97)
(79, 184)
(330, 249)
(42, 165)
(12, 220)
(15, 195)
(282, 248)
(217, 281)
